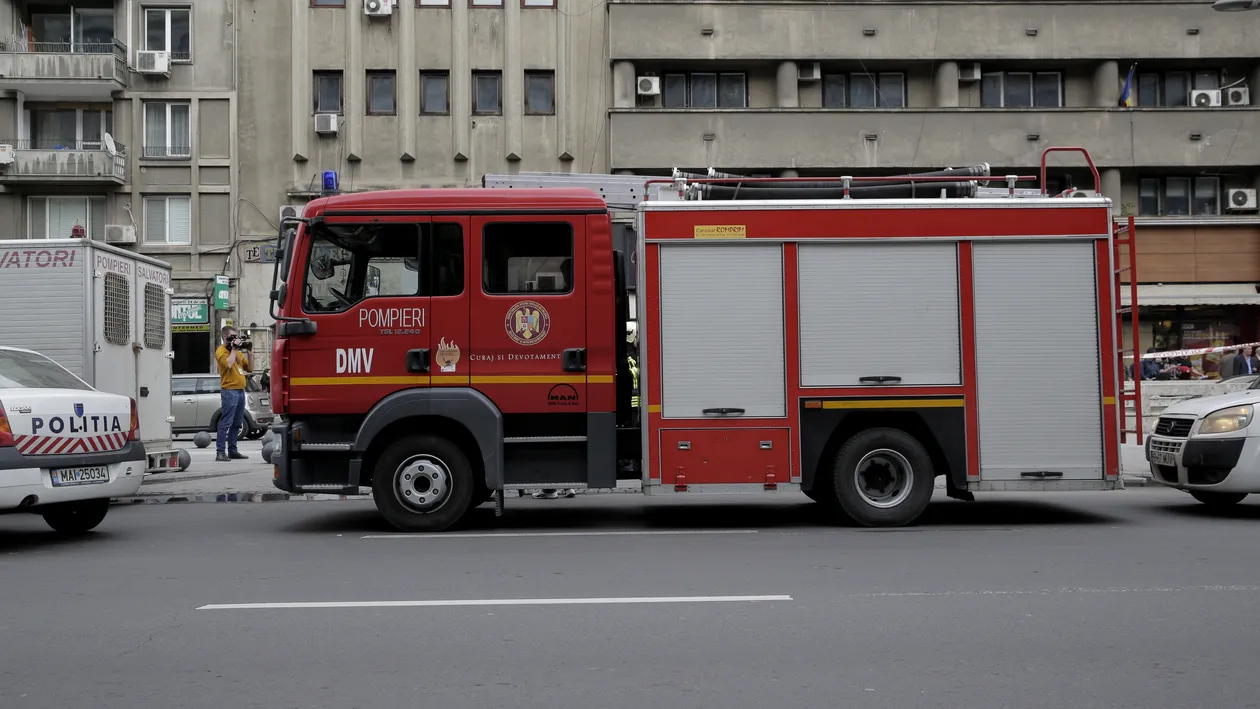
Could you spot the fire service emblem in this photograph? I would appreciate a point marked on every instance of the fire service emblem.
(447, 355)
(528, 323)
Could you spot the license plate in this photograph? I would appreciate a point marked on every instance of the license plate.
(62, 477)
(265, 401)
(1161, 458)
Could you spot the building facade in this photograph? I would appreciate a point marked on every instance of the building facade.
(260, 97)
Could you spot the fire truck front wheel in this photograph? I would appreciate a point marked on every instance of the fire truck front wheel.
(423, 484)
(883, 477)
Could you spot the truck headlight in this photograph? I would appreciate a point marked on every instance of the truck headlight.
(1226, 420)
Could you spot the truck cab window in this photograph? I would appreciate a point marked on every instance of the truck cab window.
(527, 258)
(348, 263)
(447, 259)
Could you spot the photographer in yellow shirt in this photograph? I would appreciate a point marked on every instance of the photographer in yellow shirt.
(233, 361)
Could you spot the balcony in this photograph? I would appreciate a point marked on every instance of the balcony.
(70, 163)
(768, 138)
(901, 31)
(49, 71)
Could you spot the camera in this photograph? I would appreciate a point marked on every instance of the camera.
(243, 343)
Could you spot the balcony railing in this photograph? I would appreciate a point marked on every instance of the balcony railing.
(25, 61)
(65, 160)
(178, 152)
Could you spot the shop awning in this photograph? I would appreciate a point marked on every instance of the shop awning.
(1194, 294)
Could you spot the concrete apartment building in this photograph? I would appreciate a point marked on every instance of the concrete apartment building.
(265, 95)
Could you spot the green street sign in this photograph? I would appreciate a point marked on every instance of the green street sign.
(189, 311)
(221, 293)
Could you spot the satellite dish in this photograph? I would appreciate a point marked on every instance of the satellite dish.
(109, 145)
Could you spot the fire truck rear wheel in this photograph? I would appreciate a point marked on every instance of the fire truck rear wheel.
(423, 484)
(883, 477)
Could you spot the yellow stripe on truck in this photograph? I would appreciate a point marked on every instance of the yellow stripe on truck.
(452, 379)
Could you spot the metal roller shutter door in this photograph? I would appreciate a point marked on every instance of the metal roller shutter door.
(1037, 349)
(722, 330)
(879, 309)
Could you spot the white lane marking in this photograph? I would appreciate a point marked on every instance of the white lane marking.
(1057, 591)
(484, 535)
(496, 602)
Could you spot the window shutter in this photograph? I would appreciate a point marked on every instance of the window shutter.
(155, 219)
(179, 220)
(96, 220)
(38, 207)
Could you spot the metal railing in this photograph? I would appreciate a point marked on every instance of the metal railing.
(58, 144)
(167, 151)
(17, 43)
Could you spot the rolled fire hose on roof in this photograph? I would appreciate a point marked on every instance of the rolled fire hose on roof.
(905, 190)
(981, 170)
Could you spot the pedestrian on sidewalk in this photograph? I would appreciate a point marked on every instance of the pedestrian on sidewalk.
(233, 364)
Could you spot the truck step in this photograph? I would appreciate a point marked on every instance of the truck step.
(325, 446)
(545, 439)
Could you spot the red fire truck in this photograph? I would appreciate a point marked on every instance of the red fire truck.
(851, 338)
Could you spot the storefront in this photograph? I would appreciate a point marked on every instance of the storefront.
(1190, 316)
(190, 335)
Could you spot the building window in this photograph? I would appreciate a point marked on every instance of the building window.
(328, 3)
(433, 3)
(381, 96)
(485, 3)
(67, 128)
(538, 3)
(435, 93)
(1021, 89)
(487, 93)
(56, 217)
(705, 90)
(1171, 89)
(527, 258)
(1179, 197)
(168, 220)
(167, 132)
(882, 90)
(169, 30)
(328, 93)
(540, 93)
(64, 28)
(834, 88)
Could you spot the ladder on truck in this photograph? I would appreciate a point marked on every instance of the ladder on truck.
(1125, 235)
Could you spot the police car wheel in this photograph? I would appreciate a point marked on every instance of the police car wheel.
(76, 517)
(883, 477)
(423, 484)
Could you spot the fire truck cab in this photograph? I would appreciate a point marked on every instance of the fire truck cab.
(853, 341)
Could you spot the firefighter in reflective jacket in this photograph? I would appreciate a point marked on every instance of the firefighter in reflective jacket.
(634, 370)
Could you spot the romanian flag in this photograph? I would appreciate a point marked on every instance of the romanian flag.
(1126, 96)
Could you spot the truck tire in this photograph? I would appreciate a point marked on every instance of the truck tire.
(1218, 499)
(883, 477)
(423, 484)
(76, 517)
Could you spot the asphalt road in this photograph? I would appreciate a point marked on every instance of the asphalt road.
(1127, 599)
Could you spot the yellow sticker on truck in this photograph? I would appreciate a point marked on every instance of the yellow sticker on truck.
(721, 231)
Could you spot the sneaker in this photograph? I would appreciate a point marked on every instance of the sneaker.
(221, 458)
(570, 493)
(238, 456)
(545, 495)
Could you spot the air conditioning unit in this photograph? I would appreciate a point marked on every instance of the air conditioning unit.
(7, 154)
(969, 72)
(808, 71)
(1084, 193)
(378, 8)
(326, 123)
(1238, 96)
(1205, 98)
(289, 211)
(1241, 199)
(154, 63)
(649, 85)
(120, 234)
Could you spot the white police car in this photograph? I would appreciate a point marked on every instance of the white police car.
(1209, 447)
(65, 448)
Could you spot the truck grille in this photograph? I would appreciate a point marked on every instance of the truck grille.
(1174, 428)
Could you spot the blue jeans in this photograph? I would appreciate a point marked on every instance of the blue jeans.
(231, 418)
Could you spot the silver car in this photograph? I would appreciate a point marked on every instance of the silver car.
(196, 406)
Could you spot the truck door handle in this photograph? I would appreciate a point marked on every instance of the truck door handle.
(418, 361)
(723, 411)
(574, 359)
(880, 380)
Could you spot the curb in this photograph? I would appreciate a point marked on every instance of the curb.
(276, 496)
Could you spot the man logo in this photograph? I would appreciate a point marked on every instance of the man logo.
(562, 395)
(527, 323)
(78, 410)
